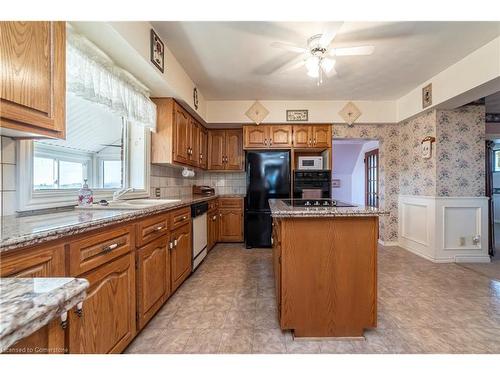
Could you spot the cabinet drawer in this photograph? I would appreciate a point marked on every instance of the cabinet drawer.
(151, 228)
(231, 202)
(96, 249)
(180, 217)
(213, 204)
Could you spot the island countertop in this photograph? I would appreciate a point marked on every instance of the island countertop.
(28, 304)
(280, 209)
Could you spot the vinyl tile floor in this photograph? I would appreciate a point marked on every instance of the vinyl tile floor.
(228, 306)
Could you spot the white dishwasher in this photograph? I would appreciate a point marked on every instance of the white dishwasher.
(199, 215)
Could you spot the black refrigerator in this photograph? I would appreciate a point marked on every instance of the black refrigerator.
(268, 176)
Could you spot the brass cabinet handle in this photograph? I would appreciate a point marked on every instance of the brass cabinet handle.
(170, 245)
(314, 141)
(157, 229)
(270, 142)
(201, 156)
(107, 249)
(265, 141)
(175, 242)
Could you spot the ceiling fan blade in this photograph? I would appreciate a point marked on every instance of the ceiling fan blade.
(331, 73)
(288, 47)
(352, 51)
(329, 34)
(293, 64)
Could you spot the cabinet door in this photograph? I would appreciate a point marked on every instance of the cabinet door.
(107, 324)
(216, 149)
(234, 150)
(42, 262)
(181, 135)
(302, 136)
(203, 148)
(280, 136)
(153, 279)
(321, 136)
(256, 136)
(276, 240)
(194, 157)
(180, 255)
(33, 76)
(231, 225)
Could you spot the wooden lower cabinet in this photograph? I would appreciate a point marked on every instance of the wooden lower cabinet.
(276, 241)
(180, 255)
(47, 261)
(153, 279)
(107, 324)
(213, 229)
(231, 225)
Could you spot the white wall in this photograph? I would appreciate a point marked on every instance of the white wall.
(343, 193)
(320, 111)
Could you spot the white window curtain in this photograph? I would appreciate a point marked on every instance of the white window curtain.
(91, 74)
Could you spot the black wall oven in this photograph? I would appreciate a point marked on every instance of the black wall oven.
(312, 184)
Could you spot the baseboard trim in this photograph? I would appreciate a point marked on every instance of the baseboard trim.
(455, 259)
(388, 243)
(472, 259)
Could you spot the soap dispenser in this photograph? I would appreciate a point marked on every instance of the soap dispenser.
(85, 195)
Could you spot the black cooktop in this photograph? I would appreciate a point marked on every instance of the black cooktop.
(316, 203)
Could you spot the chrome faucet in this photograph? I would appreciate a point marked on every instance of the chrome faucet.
(120, 193)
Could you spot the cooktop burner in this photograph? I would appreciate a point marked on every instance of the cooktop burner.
(315, 203)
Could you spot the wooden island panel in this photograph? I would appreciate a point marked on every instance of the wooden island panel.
(328, 275)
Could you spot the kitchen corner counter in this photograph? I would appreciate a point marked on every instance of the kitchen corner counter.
(279, 209)
(28, 304)
(22, 231)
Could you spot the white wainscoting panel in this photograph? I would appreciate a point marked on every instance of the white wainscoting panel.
(444, 229)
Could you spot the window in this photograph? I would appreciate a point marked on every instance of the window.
(496, 167)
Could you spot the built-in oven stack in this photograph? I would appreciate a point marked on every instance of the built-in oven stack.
(312, 184)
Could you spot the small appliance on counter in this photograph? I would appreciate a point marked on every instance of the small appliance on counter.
(203, 190)
(310, 162)
(312, 184)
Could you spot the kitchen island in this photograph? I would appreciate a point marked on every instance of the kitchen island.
(325, 266)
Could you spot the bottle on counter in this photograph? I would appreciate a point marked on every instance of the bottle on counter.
(85, 195)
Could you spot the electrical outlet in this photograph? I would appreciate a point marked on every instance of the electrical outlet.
(476, 240)
(462, 241)
(157, 192)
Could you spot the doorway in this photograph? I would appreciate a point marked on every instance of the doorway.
(371, 178)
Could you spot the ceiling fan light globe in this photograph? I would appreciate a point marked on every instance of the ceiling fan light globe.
(327, 65)
(312, 63)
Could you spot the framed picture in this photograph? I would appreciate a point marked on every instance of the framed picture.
(195, 98)
(427, 96)
(335, 183)
(297, 115)
(157, 51)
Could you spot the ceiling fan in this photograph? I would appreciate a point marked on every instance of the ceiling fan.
(319, 55)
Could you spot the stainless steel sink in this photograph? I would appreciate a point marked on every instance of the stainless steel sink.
(131, 204)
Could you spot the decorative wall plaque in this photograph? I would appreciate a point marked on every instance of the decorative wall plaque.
(195, 98)
(427, 96)
(257, 112)
(297, 115)
(350, 113)
(157, 51)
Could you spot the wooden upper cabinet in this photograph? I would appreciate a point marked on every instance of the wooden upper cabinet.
(203, 148)
(216, 149)
(33, 78)
(280, 136)
(267, 136)
(322, 136)
(153, 279)
(312, 136)
(302, 136)
(179, 138)
(234, 150)
(182, 134)
(181, 255)
(107, 324)
(255, 136)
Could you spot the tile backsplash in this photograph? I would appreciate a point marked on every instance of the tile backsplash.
(7, 176)
(171, 183)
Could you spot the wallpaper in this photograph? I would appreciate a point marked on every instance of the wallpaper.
(417, 175)
(460, 152)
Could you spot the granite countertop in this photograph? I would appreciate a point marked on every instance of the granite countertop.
(21, 231)
(28, 304)
(280, 209)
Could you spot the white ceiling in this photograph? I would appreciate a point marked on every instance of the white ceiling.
(233, 60)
